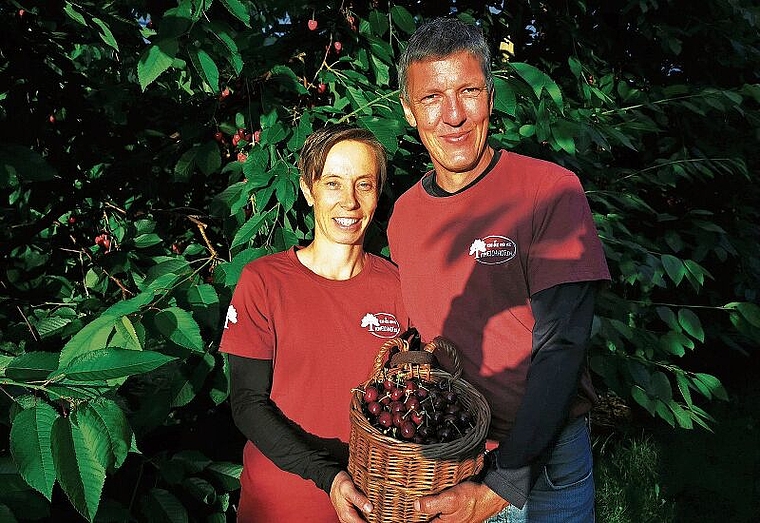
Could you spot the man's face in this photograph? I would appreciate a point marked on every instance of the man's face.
(345, 195)
(450, 105)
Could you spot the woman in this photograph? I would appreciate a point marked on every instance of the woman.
(309, 323)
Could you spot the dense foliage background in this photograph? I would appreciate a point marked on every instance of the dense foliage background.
(148, 151)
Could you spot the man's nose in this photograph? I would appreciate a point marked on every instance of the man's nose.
(453, 111)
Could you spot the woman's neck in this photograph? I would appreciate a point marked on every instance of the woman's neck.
(334, 262)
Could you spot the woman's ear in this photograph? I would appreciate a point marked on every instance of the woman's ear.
(306, 191)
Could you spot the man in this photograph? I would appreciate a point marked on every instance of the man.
(498, 252)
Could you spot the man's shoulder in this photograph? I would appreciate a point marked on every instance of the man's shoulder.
(529, 164)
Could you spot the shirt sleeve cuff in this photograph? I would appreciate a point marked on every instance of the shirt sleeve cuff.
(511, 484)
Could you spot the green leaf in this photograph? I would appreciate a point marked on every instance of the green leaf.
(132, 305)
(93, 336)
(563, 132)
(286, 190)
(683, 387)
(155, 60)
(204, 301)
(105, 33)
(188, 388)
(221, 31)
(674, 268)
(251, 227)
(226, 475)
(110, 363)
(667, 315)
(31, 366)
(24, 163)
(403, 19)
(238, 10)
(643, 399)
(286, 77)
(300, 132)
(30, 445)
(682, 417)
(675, 343)
(161, 505)
(664, 412)
(220, 383)
(80, 473)
(691, 324)
(147, 240)
(104, 424)
(52, 325)
(750, 311)
(659, 387)
(386, 130)
(74, 14)
(539, 81)
(179, 326)
(505, 100)
(378, 22)
(713, 384)
(207, 68)
(184, 167)
(229, 273)
(208, 158)
(200, 489)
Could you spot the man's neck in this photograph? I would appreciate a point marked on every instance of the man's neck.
(452, 182)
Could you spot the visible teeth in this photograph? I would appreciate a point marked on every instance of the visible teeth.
(345, 222)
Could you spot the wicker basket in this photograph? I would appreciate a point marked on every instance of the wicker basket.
(393, 473)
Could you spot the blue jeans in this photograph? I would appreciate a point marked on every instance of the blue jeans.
(564, 492)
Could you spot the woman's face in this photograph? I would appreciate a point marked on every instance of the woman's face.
(345, 196)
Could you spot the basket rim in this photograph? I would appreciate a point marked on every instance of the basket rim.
(470, 442)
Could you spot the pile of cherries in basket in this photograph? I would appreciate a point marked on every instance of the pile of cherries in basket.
(416, 410)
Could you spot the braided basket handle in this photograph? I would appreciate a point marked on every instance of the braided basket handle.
(382, 354)
(450, 349)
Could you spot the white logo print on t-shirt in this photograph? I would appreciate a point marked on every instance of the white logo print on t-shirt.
(381, 324)
(231, 317)
(493, 250)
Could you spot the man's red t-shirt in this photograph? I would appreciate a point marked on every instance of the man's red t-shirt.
(470, 262)
(322, 337)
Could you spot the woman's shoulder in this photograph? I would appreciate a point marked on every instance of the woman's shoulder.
(383, 266)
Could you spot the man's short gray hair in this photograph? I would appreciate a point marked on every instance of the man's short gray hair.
(442, 37)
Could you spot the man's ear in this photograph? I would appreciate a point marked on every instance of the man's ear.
(306, 191)
(408, 112)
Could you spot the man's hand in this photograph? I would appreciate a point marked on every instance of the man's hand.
(467, 502)
(346, 498)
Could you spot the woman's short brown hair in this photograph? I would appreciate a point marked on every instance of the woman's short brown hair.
(318, 144)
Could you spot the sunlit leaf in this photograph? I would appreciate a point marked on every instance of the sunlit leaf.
(179, 326)
(79, 471)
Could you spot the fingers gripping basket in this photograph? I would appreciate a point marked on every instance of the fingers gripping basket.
(393, 473)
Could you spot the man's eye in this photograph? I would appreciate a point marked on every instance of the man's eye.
(332, 185)
(366, 186)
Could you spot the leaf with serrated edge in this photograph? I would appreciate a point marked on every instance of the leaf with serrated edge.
(80, 473)
(93, 336)
(112, 363)
(30, 445)
(179, 326)
(104, 423)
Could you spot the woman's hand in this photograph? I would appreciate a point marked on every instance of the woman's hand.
(346, 499)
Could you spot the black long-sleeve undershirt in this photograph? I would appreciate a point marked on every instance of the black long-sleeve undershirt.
(563, 317)
(280, 439)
